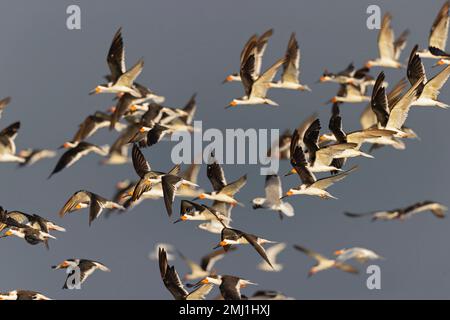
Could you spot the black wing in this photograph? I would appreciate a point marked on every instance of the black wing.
(311, 139)
(379, 101)
(140, 165)
(169, 185)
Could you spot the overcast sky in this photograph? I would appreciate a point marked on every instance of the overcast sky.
(190, 46)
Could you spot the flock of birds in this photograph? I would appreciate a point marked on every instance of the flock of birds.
(142, 120)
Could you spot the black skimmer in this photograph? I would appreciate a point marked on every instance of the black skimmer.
(215, 226)
(121, 80)
(85, 268)
(256, 87)
(230, 237)
(126, 102)
(272, 199)
(291, 68)
(272, 254)
(196, 212)
(310, 185)
(393, 117)
(173, 283)
(349, 75)
(30, 235)
(389, 48)
(343, 77)
(7, 144)
(76, 152)
(32, 156)
(3, 104)
(260, 44)
(369, 135)
(324, 263)
(21, 222)
(222, 191)
(362, 255)
(169, 181)
(322, 159)
(429, 89)
(229, 286)
(91, 124)
(205, 268)
(436, 208)
(23, 295)
(83, 199)
(350, 93)
(437, 39)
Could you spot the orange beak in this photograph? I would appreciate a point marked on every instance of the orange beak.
(440, 62)
(133, 108)
(8, 233)
(204, 281)
(202, 196)
(66, 145)
(368, 65)
(322, 79)
(229, 78)
(142, 130)
(223, 243)
(98, 89)
(338, 252)
(289, 193)
(183, 217)
(322, 138)
(233, 104)
(293, 170)
(78, 206)
(334, 99)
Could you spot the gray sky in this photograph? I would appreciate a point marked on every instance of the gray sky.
(190, 46)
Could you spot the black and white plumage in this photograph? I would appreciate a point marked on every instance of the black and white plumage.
(389, 48)
(428, 90)
(173, 283)
(7, 144)
(83, 199)
(82, 267)
(324, 263)
(255, 87)
(222, 191)
(437, 39)
(121, 80)
(392, 116)
(229, 286)
(190, 210)
(260, 44)
(23, 295)
(75, 152)
(230, 237)
(91, 124)
(31, 235)
(310, 185)
(272, 200)
(170, 181)
(437, 209)
(291, 68)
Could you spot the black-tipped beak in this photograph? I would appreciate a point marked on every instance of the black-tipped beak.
(178, 220)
